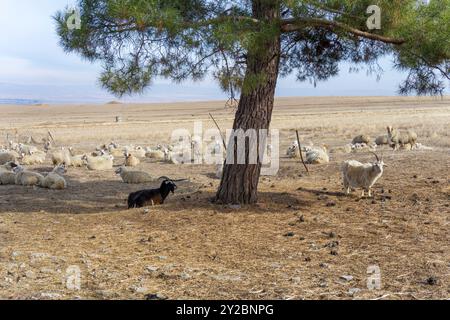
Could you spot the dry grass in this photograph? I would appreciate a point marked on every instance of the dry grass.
(295, 244)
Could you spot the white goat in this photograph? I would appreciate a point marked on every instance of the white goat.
(358, 175)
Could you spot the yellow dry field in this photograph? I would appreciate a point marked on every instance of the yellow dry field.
(304, 239)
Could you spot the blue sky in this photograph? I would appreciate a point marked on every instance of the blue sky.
(33, 66)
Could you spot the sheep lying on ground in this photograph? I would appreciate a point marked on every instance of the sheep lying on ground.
(138, 152)
(317, 156)
(33, 159)
(27, 178)
(358, 175)
(155, 154)
(8, 166)
(26, 149)
(133, 176)
(6, 157)
(362, 139)
(7, 178)
(399, 139)
(62, 156)
(131, 161)
(77, 161)
(101, 163)
(54, 180)
(293, 151)
(382, 140)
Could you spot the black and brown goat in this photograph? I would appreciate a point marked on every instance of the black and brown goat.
(145, 198)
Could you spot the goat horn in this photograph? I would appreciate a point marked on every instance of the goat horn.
(378, 159)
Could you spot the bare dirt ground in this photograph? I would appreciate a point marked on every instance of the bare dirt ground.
(297, 243)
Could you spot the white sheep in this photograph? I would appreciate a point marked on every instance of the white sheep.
(55, 180)
(138, 152)
(62, 156)
(293, 151)
(317, 156)
(101, 163)
(28, 150)
(8, 166)
(358, 175)
(37, 157)
(155, 154)
(133, 176)
(77, 161)
(7, 178)
(27, 178)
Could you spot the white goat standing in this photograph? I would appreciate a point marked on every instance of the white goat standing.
(359, 175)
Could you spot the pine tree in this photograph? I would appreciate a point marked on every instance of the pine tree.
(248, 44)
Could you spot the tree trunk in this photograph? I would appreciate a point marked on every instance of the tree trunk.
(239, 183)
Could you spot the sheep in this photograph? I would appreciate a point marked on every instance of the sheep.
(33, 159)
(54, 180)
(62, 156)
(361, 139)
(317, 156)
(27, 178)
(155, 154)
(138, 152)
(382, 140)
(77, 161)
(28, 150)
(101, 163)
(116, 152)
(8, 166)
(399, 139)
(7, 178)
(131, 161)
(100, 153)
(134, 177)
(153, 197)
(6, 157)
(293, 151)
(358, 175)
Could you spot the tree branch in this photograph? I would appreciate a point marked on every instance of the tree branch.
(295, 24)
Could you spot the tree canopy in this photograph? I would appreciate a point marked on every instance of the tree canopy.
(139, 40)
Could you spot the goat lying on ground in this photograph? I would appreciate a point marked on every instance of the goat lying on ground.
(152, 197)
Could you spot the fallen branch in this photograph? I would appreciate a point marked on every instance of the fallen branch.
(300, 151)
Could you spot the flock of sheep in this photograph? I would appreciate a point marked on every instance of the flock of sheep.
(16, 156)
